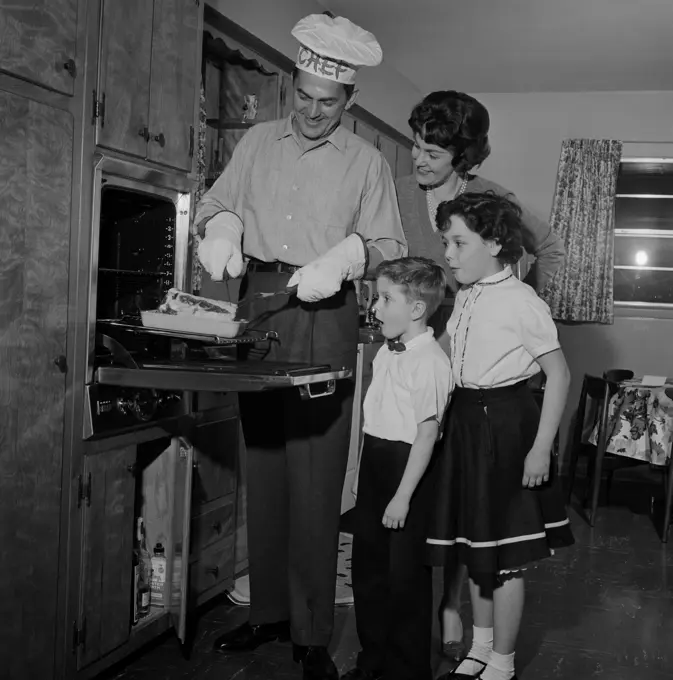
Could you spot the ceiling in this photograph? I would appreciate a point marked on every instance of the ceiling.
(522, 45)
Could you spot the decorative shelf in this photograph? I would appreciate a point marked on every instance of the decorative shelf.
(229, 124)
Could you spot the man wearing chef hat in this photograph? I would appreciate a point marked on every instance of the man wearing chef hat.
(303, 201)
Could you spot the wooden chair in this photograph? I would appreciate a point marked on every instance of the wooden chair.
(618, 375)
(668, 486)
(596, 391)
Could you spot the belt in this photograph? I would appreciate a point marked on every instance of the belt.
(278, 267)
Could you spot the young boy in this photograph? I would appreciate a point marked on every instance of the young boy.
(403, 410)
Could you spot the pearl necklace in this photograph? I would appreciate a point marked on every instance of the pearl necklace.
(433, 204)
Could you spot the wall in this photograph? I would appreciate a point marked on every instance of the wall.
(527, 131)
(383, 91)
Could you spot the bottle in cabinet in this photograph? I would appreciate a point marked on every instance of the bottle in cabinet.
(136, 582)
(142, 573)
(158, 576)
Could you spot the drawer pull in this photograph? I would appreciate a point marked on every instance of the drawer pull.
(213, 570)
(217, 527)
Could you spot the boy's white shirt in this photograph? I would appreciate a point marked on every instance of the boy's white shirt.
(407, 388)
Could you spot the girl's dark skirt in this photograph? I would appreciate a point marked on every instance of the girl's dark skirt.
(483, 515)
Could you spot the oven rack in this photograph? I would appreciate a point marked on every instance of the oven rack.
(246, 338)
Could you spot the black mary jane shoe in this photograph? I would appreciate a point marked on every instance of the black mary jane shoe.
(246, 638)
(361, 674)
(316, 662)
(454, 675)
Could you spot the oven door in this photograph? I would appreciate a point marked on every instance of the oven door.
(234, 376)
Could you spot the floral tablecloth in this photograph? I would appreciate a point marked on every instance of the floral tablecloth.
(640, 424)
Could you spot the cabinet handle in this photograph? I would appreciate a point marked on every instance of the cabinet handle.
(213, 570)
(191, 141)
(61, 363)
(71, 67)
(132, 469)
(144, 133)
(160, 139)
(217, 527)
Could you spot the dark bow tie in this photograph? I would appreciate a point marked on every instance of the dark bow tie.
(396, 346)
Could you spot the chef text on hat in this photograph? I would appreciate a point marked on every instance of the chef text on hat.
(334, 48)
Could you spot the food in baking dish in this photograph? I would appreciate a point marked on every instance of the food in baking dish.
(177, 302)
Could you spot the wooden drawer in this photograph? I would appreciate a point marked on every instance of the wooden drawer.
(214, 568)
(213, 526)
(216, 450)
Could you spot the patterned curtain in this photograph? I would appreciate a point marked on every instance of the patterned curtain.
(583, 216)
(200, 190)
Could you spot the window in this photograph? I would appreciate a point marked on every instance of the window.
(643, 264)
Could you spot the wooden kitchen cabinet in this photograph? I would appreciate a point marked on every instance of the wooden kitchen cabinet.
(398, 155)
(35, 181)
(215, 438)
(38, 42)
(405, 163)
(389, 150)
(149, 78)
(367, 132)
(152, 480)
(106, 493)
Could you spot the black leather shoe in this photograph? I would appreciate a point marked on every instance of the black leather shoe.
(245, 638)
(360, 674)
(454, 675)
(317, 663)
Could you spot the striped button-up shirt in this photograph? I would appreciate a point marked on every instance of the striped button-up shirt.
(295, 204)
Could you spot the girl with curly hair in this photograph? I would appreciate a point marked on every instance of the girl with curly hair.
(499, 507)
(450, 131)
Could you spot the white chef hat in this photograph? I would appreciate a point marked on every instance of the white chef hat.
(334, 48)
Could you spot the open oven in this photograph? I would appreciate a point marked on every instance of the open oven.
(140, 248)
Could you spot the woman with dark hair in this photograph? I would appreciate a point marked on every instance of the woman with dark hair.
(451, 139)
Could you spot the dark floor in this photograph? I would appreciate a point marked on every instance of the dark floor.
(602, 609)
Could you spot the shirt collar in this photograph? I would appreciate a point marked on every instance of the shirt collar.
(418, 341)
(505, 274)
(337, 139)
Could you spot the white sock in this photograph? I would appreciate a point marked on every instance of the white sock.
(500, 667)
(481, 650)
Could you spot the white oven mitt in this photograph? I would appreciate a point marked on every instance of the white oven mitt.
(323, 277)
(220, 248)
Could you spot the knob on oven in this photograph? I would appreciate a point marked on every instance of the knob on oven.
(145, 403)
(142, 405)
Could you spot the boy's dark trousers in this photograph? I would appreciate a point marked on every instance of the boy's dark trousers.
(391, 583)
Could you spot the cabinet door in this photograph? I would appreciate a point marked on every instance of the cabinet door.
(405, 163)
(124, 79)
(216, 442)
(182, 457)
(389, 150)
(37, 42)
(108, 494)
(35, 184)
(366, 132)
(286, 95)
(348, 121)
(174, 82)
